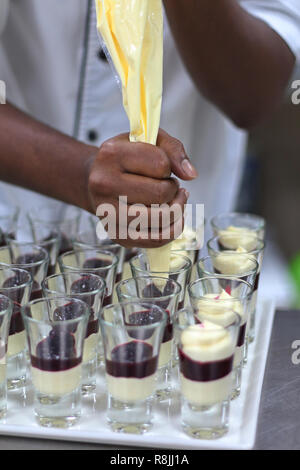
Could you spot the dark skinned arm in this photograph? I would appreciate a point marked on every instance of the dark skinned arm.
(37, 157)
(236, 60)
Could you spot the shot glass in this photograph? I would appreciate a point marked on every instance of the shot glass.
(56, 352)
(8, 219)
(99, 262)
(237, 225)
(39, 234)
(5, 316)
(189, 244)
(90, 240)
(213, 299)
(16, 284)
(61, 218)
(90, 289)
(206, 357)
(252, 247)
(165, 294)
(33, 258)
(132, 333)
(180, 271)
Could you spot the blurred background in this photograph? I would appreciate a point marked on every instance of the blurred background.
(271, 188)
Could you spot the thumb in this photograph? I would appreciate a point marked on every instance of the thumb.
(181, 165)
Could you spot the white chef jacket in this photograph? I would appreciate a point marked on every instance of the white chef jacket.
(49, 59)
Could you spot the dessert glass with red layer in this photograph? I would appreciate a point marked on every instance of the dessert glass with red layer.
(5, 316)
(33, 258)
(212, 299)
(90, 289)
(206, 356)
(165, 294)
(62, 218)
(16, 284)
(56, 351)
(99, 262)
(38, 234)
(180, 271)
(90, 240)
(132, 333)
(247, 244)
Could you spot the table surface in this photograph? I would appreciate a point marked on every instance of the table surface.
(279, 416)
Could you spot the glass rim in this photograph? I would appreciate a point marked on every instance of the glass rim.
(235, 323)
(250, 252)
(14, 269)
(158, 299)
(28, 265)
(69, 273)
(230, 278)
(245, 215)
(130, 327)
(115, 260)
(244, 273)
(26, 317)
(94, 245)
(185, 268)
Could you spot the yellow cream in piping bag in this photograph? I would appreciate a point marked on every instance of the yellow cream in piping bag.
(133, 33)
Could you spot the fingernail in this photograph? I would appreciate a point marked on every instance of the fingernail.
(189, 169)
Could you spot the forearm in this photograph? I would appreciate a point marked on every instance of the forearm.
(37, 157)
(236, 60)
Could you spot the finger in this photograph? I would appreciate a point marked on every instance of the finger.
(180, 163)
(137, 157)
(148, 191)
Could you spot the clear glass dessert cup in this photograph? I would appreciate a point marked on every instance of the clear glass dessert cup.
(211, 299)
(94, 261)
(62, 218)
(38, 234)
(5, 316)
(239, 222)
(56, 353)
(16, 284)
(165, 294)
(253, 247)
(90, 289)
(90, 240)
(206, 357)
(33, 258)
(180, 271)
(132, 334)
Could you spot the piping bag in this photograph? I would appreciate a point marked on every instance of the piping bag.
(132, 31)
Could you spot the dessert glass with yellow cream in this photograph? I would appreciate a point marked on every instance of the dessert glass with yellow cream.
(90, 289)
(132, 333)
(16, 284)
(165, 294)
(206, 358)
(214, 299)
(6, 306)
(251, 246)
(56, 354)
(237, 225)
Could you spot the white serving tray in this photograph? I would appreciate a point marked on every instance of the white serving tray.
(166, 432)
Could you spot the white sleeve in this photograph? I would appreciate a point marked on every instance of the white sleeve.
(4, 7)
(283, 16)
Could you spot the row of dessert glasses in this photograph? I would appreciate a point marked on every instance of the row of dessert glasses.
(157, 289)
